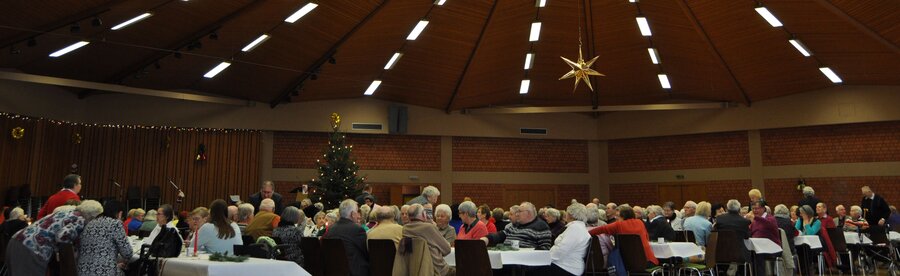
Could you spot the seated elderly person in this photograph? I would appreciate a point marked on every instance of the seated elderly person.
(855, 221)
(420, 227)
(472, 228)
(387, 228)
(29, 251)
(220, 234)
(290, 234)
(657, 226)
(353, 236)
(245, 215)
(552, 217)
(164, 215)
(570, 247)
(530, 231)
(699, 223)
(628, 224)
(265, 221)
(14, 223)
(442, 219)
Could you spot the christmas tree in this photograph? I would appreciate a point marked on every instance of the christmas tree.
(338, 179)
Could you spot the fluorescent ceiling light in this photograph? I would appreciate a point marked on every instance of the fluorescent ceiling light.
(301, 12)
(372, 87)
(417, 30)
(535, 31)
(392, 61)
(664, 81)
(440, 2)
(764, 12)
(216, 70)
(523, 88)
(69, 48)
(830, 74)
(540, 3)
(800, 47)
(256, 42)
(632, 1)
(132, 21)
(529, 60)
(644, 26)
(654, 56)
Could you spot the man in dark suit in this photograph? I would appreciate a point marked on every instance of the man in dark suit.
(657, 226)
(875, 209)
(347, 229)
(733, 221)
(266, 190)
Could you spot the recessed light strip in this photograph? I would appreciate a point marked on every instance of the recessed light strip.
(654, 56)
(529, 60)
(69, 48)
(255, 42)
(417, 30)
(800, 47)
(216, 70)
(523, 88)
(831, 75)
(535, 33)
(131, 21)
(372, 87)
(644, 26)
(301, 12)
(664, 81)
(769, 17)
(393, 60)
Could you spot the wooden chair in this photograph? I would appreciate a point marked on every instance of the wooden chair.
(680, 236)
(632, 250)
(253, 250)
(381, 257)
(593, 261)
(311, 248)
(335, 257)
(472, 258)
(710, 262)
(67, 263)
(731, 249)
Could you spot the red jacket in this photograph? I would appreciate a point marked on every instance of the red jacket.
(475, 232)
(491, 227)
(57, 200)
(628, 226)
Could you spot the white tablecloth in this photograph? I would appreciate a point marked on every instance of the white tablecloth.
(853, 238)
(201, 266)
(811, 240)
(894, 236)
(675, 249)
(525, 256)
(762, 246)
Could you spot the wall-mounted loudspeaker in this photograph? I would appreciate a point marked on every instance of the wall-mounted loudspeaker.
(397, 117)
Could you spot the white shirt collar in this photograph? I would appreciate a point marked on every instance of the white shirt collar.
(656, 217)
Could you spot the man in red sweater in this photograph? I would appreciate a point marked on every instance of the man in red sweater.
(71, 188)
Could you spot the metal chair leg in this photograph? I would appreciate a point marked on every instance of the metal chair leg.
(821, 264)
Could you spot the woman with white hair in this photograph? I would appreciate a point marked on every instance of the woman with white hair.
(14, 223)
(103, 245)
(313, 229)
(570, 247)
(290, 234)
(30, 250)
(552, 217)
(809, 198)
(442, 218)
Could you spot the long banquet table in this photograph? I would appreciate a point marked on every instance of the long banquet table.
(201, 266)
(525, 257)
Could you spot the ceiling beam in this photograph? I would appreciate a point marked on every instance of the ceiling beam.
(712, 47)
(858, 25)
(30, 78)
(64, 22)
(174, 47)
(471, 57)
(606, 108)
(297, 84)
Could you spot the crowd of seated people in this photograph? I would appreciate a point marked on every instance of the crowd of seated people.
(100, 232)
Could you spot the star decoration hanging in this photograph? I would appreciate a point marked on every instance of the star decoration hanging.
(581, 70)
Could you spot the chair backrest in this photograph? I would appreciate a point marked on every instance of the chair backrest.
(712, 242)
(689, 236)
(381, 257)
(67, 264)
(878, 235)
(836, 235)
(143, 234)
(4, 241)
(248, 239)
(632, 250)
(335, 256)
(253, 250)
(277, 240)
(729, 247)
(593, 261)
(472, 258)
(680, 236)
(312, 258)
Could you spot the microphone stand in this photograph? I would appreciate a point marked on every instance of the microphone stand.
(179, 197)
(120, 195)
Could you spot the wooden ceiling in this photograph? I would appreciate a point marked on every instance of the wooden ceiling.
(470, 55)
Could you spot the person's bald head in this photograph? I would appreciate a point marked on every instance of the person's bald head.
(233, 213)
(526, 212)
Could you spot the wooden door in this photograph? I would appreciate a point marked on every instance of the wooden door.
(669, 193)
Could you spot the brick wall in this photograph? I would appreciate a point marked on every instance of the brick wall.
(519, 155)
(714, 150)
(718, 191)
(494, 195)
(635, 194)
(372, 152)
(490, 194)
(723, 190)
(833, 190)
(851, 143)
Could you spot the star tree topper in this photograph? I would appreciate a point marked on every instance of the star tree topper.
(581, 70)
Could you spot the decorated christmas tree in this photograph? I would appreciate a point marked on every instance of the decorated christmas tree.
(338, 179)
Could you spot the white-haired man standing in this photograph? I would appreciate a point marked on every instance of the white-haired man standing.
(429, 195)
(348, 230)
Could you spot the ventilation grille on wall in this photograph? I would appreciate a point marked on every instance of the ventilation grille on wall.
(367, 126)
(533, 131)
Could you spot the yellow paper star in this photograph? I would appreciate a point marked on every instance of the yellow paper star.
(581, 70)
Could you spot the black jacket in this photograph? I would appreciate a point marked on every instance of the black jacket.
(354, 238)
(256, 199)
(811, 201)
(875, 209)
(659, 228)
(732, 221)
